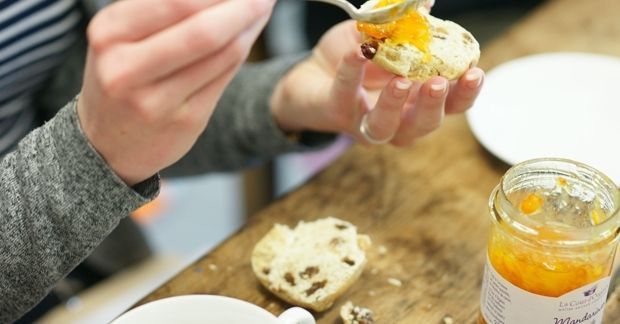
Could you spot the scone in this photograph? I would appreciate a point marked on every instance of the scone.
(312, 264)
(419, 46)
(351, 314)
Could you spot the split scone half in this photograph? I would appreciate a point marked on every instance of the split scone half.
(419, 46)
(313, 264)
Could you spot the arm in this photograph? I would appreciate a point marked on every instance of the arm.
(62, 190)
(58, 200)
(241, 131)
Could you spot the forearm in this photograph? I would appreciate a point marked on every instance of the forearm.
(242, 130)
(58, 200)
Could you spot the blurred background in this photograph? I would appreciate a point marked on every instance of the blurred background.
(194, 214)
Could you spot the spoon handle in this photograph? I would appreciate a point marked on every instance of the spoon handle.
(344, 5)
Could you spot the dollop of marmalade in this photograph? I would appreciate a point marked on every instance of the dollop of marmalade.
(412, 28)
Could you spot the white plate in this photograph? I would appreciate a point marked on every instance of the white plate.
(552, 105)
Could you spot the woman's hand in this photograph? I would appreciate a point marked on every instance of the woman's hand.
(154, 73)
(336, 87)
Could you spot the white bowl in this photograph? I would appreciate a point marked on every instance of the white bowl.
(210, 309)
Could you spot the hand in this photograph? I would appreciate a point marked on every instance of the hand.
(154, 73)
(333, 89)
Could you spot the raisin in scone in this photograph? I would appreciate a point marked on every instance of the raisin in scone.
(419, 46)
(312, 264)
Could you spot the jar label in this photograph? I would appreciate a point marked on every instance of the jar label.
(501, 302)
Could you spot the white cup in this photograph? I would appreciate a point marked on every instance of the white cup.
(190, 309)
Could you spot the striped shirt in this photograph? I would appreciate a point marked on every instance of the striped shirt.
(33, 36)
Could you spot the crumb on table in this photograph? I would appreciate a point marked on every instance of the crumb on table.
(351, 314)
(395, 282)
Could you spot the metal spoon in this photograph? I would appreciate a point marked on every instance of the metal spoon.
(367, 12)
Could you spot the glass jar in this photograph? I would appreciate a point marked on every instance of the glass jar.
(555, 226)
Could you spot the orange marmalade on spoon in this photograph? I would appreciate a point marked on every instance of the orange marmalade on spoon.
(552, 245)
(412, 28)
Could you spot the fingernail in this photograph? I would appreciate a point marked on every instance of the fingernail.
(356, 59)
(438, 88)
(474, 78)
(401, 87)
(403, 84)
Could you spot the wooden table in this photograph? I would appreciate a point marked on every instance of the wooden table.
(426, 205)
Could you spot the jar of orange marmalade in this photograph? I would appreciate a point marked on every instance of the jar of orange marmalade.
(555, 226)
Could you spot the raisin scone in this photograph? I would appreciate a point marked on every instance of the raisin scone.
(419, 46)
(312, 264)
(351, 314)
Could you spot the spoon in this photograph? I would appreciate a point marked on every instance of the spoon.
(367, 13)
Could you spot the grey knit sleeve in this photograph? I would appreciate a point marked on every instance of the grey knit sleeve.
(58, 201)
(242, 130)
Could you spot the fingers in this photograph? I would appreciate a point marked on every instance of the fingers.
(170, 93)
(464, 92)
(175, 89)
(428, 106)
(426, 114)
(202, 104)
(341, 40)
(336, 43)
(129, 21)
(133, 83)
(429, 4)
(384, 119)
(184, 43)
(349, 75)
(376, 77)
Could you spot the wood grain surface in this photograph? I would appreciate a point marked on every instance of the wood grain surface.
(427, 205)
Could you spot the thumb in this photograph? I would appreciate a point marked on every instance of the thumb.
(349, 76)
(429, 4)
